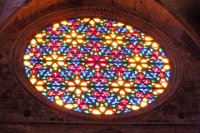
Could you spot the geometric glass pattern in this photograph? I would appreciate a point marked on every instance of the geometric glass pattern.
(96, 66)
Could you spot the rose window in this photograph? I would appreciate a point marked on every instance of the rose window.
(96, 66)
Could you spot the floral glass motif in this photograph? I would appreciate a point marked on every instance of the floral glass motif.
(96, 66)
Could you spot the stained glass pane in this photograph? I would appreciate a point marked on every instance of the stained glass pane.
(96, 66)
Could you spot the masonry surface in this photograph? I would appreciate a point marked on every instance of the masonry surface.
(21, 112)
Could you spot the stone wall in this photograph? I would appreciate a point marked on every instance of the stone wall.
(21, 112)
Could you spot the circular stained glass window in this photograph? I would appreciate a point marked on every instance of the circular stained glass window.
(96, 66)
